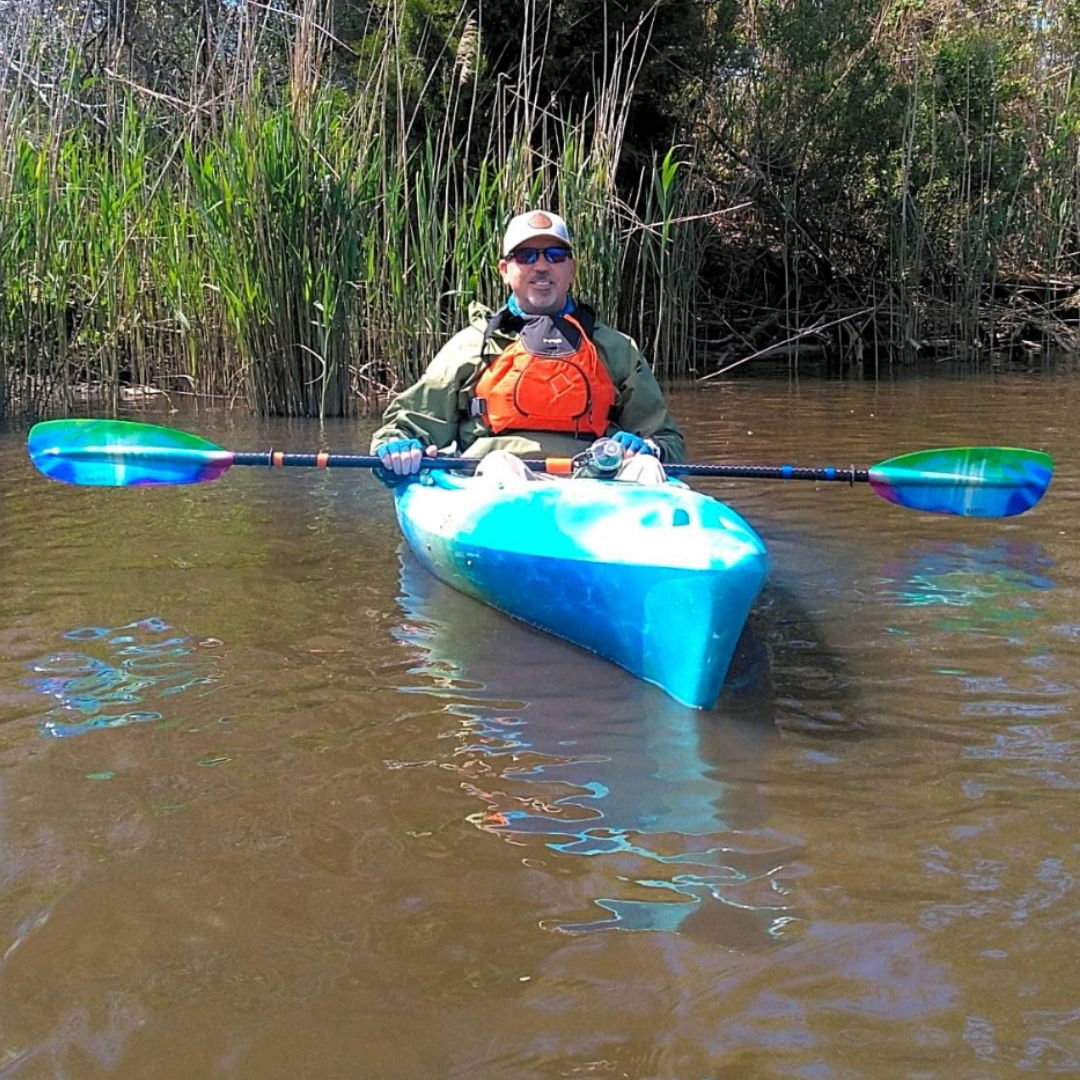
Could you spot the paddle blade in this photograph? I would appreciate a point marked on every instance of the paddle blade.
(972, 481)
(120, 453)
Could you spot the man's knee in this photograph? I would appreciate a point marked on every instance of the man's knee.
(500, 467)
(643, 469)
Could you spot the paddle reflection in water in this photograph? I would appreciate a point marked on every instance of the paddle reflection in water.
(1010, 681)
(990, 583)
(117, 667)
(570, 756)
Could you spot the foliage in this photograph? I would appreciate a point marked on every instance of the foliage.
(904, 155)
(294, 202)
(302, 248)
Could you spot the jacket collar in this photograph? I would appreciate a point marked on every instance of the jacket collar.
(504, 323)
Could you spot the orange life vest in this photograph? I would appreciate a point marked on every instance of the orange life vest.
(551, 378)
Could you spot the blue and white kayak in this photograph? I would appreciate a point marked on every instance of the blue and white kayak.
(657, 579)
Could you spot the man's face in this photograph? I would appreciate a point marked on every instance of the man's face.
(541, 288)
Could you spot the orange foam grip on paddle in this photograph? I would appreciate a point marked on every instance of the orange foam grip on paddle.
(559, 466)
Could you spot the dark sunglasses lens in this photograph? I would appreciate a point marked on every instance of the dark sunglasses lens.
(527, 256)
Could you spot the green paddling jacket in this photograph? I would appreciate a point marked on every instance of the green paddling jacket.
(435, 409)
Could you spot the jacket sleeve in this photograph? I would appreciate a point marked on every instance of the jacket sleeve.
(429, 410)
(641, 408)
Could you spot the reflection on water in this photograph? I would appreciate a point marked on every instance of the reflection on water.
(119, 667)
(996, 593)
(989, 582)
(570, 756)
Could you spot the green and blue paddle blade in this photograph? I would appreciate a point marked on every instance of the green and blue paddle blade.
(972, 481)
(122, 453)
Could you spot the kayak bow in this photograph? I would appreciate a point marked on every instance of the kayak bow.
(657, 579)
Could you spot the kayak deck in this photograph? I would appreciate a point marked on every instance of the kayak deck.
(657, 579)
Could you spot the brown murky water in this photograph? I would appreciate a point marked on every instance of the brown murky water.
(274, 804)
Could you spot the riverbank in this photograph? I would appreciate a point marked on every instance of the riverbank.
(298, 235)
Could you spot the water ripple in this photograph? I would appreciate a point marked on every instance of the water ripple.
(650, 808)
(122, 666)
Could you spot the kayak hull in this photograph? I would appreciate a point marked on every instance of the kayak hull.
(659, 580)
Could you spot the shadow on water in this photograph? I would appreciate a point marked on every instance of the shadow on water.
(811, 691)
(936, 597)
(571, 757)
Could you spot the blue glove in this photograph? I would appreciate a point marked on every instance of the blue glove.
(400, 461)
(633, 444)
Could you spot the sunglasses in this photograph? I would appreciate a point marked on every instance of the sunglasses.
(526, 256)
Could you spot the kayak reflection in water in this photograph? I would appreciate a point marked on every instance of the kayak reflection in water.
(541, 377)
(571, 757)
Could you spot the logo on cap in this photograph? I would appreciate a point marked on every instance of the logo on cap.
(540, 221)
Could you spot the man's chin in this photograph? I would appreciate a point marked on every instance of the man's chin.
(542, 306)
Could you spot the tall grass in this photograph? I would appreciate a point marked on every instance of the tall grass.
(278, 216)
(304, 251)
(302, 235)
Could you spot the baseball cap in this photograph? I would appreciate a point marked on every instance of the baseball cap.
(534, 223)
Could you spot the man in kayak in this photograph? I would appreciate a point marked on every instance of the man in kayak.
(542, 377)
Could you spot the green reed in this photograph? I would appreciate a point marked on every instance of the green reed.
(272, 237)
(306, 252)
(277, 210)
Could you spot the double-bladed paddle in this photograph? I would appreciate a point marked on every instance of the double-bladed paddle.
(972, 481)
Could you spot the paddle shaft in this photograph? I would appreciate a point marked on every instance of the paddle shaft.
(556, 466)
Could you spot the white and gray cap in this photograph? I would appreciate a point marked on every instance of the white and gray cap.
(531, 224)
